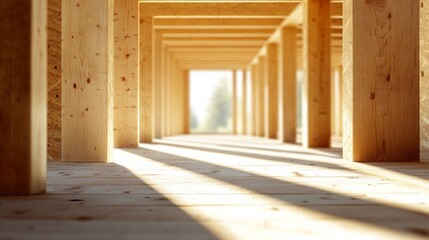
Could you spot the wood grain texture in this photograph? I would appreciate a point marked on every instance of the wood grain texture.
(54, 79)
(288, 88)
(271, 91)
(424, 74)
(87, 81)
(317, 73)
(126, 85)
(381, 94)
(216, 9)
(23, 94)
(147, 87)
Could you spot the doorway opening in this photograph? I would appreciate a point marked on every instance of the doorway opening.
(210, 101)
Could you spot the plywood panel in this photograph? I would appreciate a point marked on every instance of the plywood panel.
(87, 57)
(54, 79)
(424, 74)
(126, 84)
(23, 94)
(316, 129)
(147, 87)
(381, 94)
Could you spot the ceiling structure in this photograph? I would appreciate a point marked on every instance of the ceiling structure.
(226, 35)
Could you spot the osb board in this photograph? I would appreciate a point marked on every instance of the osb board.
(54, 79)
(424, 75)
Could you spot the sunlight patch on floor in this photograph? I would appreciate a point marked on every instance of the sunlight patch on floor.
(258, 216)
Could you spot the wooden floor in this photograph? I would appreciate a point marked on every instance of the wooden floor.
(224, 187)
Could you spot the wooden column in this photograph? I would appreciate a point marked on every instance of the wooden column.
(271, 91)
(126, 85)
(157, 43)
(23, 94)
(261, 97)
(316, 129)
(381, 94)
(147, 113)
(234, 102)
(424, 75)
(54, 79)
(288, 86)
(87, 81)
(338, 99)
(254, 107)
(244, 102)
(186, 103)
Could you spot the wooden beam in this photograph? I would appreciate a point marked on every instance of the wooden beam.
(271, 91)
(147, 125)
(216, 9)
(316, 129)
(87, 82)
(191, 22)
(381, 94)
(244, 101)
(288, 88)
(23, 94)
(126, 85)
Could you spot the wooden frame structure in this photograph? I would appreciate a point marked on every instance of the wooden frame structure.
(124, 75)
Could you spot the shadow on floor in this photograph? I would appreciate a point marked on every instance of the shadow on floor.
(363, 211)
(96, 201)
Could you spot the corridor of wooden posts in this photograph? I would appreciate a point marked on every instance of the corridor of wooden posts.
(115, 77)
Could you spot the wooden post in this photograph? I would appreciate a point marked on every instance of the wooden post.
(254, 107)
(234, 102)
(271, 91)
(339, 102)
(54, 79)
(126, 85)
(381, 94)
(288, 87)
(186, 103)
(147, 125)
(87, 81)
(316, 129)
(261, 98)
(157, 43)
(244, 102)
(23, 94)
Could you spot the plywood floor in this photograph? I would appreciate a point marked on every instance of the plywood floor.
(224, 187)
